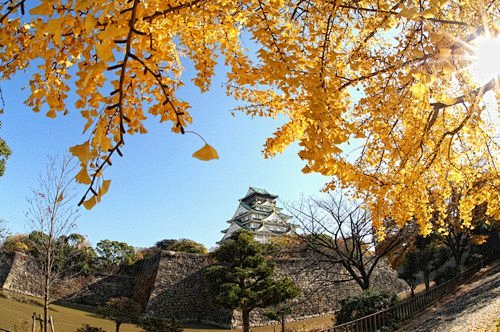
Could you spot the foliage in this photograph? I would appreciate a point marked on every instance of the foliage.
(446, 274)
(88, 328)
(288, 246)
(339, 230)
(5, 151)
(143, 253)
(409, 270)
(159, 325)
(336, 70)
(113, 254)
(77, 255)
(243, 279)
(473, 259)
(121, 310)
(458, 233)
(182, 245)
(16, 242)
(429, 255)
(368, 302)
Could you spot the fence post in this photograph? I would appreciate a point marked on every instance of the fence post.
(33, 326)
(40, 319)
(52, 324)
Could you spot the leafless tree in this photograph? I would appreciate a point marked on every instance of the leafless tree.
(3, 230)
(52, 214)
(339, 231)
(3, 235)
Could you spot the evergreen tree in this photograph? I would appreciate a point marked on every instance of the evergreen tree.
(243, 278)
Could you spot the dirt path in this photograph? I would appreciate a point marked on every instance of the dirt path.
(473, 307)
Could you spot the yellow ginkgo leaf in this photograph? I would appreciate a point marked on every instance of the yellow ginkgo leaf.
(44, 8)
(83, 177)
(427, 13)
(81, 4)
(419, 90)
(104, 187)
(82, 152)
(51, 114)
(444, 53)
(90, 203)
(104, 52)
(207, 152)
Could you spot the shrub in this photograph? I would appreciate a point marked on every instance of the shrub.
(472, 259)
(446, 274)
(368, 302)
(159, 325)
(88, 328)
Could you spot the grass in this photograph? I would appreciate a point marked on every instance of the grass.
(16, 316)
(16, 312)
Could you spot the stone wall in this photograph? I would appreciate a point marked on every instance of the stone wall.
(102, 288)
(5, 264)
(145, 280)
(22, 276)
(179, 291)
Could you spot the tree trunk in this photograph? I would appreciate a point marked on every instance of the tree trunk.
(457, 257)
(365, 284)
(426, 280)
(245, 315)
(46, 292)
(118, 326)
(282, 323)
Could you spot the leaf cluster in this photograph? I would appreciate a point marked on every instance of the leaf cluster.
(368, 302)
(159, 325)
(388, 78)
(121, 310)
(182, 245)
(111, 255)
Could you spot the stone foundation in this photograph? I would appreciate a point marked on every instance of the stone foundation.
(171, 285)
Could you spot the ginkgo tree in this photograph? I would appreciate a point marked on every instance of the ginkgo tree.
(388, 77)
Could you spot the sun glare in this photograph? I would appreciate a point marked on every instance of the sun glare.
(486, 59)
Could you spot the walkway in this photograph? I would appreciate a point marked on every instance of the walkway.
(474, 307)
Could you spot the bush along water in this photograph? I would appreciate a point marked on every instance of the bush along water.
(368, 302)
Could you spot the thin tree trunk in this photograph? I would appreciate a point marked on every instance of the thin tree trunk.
(282, 323)
(245, 315)
(46, 289)
(365, 284)
(457, 256)
(118, 326)
(426, 280)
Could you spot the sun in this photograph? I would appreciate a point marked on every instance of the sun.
(485, 58)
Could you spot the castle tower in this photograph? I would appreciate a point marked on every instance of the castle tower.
(258, 213)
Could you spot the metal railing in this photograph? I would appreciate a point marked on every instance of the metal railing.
(406, 308)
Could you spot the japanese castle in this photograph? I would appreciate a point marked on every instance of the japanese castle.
(257, 213)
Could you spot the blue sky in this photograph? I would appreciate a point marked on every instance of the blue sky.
(158, 190)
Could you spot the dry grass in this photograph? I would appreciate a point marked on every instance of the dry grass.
(16, 312)
(16, 316)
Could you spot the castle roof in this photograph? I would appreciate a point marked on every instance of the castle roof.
(257, 212)
(254, 192)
